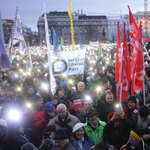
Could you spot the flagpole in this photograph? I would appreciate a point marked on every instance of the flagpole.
(143, 88)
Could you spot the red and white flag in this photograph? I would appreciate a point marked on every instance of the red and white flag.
(119, 51)
(17, 34)
(133, 29)
(124, 70)
(137, 63)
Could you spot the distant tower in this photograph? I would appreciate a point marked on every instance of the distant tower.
(145, 18)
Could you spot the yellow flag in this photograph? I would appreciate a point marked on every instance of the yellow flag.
(71, 22)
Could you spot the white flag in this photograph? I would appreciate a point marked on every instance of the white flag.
(17, 34)
(51, 77)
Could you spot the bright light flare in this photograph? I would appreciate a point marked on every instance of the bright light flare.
(14, 115)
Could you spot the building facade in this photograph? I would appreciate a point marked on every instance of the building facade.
(86, 28)
(27, 33)
(112, 28)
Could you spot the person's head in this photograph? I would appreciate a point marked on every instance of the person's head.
(30, 90)
(81, 86)
(3, 91)
(116, 121)
(61, 93)
(60, 139)
(88, 105)
(135, 136)
(62, 111)
(79, 132)
(50, 107)
(38, 100)
(55, 100)
(131, 102)
(3, 127)
(100, 146)
(28, 146)
(36, 81)
(71, 103)
(144, 112)
(11, 92)
(93, 119)
(109, 97)
(49, 131)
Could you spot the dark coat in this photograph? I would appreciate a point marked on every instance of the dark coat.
(117, 136)
(104, 109)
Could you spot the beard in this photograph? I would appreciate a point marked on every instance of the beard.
(143, 124)
(94, 126)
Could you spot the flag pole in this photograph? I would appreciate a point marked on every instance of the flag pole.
(143, 87)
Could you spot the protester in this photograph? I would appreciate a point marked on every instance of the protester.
(106, 106)
(131, 107)
(135, 141)
(94, 127)
(61, 141)
(141, 120)
(80, 139)
(64, 120)
(87, 107)
(116, 129)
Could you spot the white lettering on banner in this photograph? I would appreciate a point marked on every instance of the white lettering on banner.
(120, 50)
(125, 81)
(68, 62)
(132, 41)
(139, 76)
(131, 28)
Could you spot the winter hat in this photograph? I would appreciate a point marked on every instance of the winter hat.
(77, 127)
(101, 146)
(49, 106)
(60, 135)
(137, 133)
(50, 128)
(109, 90)
(111, 115)
(132, 98)
(3, 123)
(28, 146)
(91, 113)
(143, 112)
(36, 98)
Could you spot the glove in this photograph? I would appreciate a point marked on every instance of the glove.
(46, 116)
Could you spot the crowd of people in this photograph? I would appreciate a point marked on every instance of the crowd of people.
(31, 118)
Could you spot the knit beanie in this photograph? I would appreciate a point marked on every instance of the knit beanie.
(36, 98)
(60, 135)
(143, 112)
(137, 133)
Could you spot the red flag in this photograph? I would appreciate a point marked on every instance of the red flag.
(138, 63)
(119, 51)
(133, 29)
(125, 70)
(41, 44)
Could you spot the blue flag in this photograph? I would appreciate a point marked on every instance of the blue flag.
(4, 60)
(55, 42)
(81, 44)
